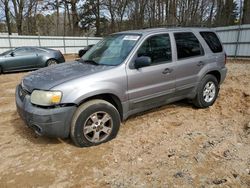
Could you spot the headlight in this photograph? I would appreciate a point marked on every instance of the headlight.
(46, 98)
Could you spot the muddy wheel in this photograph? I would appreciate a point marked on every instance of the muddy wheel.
(94, 122)
(207, 92)
(51, 62)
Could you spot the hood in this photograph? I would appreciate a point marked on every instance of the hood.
(49, 77)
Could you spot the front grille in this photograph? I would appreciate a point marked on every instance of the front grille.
(22, 93)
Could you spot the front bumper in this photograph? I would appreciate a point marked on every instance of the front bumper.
(51, 122)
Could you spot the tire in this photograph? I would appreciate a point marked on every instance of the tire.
(207, 92)
(51, 62)
(1, 70)
(94, 123)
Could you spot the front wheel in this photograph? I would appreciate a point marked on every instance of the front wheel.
(207, 92)
(94, 122)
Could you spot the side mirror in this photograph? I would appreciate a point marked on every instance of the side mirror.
(82, 52)
(142, 61)
(12, 54)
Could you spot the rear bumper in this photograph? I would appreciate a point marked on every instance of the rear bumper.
(53, 122)
(223, 73)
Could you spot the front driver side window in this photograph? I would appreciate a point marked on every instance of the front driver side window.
(20, 51)
(158, 48)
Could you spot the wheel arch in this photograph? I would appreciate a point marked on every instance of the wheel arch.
(111, 98)
(217, 75)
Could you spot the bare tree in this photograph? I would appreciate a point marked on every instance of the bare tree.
(106, 16)
(172, 12)
(121, 8)
(18, 14)
(91, 12)
(7, 15)
(57, 17)
(54, 5)
(211, 13)
(117, 9)
(30, 16)
(226, 12)
(75, 19)
(246, 12)
(110, 6)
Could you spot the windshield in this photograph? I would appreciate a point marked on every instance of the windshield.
(6, 53)
(112, 50)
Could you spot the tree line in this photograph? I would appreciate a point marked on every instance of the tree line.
(101, 17)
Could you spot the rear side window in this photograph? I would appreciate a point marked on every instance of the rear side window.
(38, 50)
(212, 41)
(187, 45)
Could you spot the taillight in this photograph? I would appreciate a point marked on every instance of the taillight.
(225, 59)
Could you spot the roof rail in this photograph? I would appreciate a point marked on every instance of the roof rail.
(174, 25)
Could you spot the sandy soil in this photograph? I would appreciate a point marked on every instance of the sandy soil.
(172, 146)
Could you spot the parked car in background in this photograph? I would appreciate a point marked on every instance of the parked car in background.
(28, 58)
(83, 51)
(124, 74)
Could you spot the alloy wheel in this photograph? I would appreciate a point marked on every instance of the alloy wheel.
(98, 127)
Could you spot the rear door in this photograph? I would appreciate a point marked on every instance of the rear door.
(190, 60)
(30, 58)
(150, 86)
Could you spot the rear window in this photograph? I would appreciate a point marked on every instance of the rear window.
(187, 45)
(212, 41)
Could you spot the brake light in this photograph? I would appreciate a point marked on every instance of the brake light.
(225, 59)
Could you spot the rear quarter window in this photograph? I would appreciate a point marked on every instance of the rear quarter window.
(212, 41)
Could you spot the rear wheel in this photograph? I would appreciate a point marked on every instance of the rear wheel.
(1, 70)
(94, 122)
(207, 92)
(51, 62)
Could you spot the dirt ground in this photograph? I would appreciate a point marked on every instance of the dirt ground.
(172, 146)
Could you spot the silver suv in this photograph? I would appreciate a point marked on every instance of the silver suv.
(125, 73)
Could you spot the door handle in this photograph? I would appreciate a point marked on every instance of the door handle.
(200, 63)
(167, 71)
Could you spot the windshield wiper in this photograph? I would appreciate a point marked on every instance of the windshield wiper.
(89, 61)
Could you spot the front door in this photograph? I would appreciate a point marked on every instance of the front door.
(150, 86)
